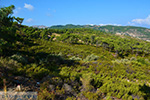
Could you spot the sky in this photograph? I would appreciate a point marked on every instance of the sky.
(82, 12)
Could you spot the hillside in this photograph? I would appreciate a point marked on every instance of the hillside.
(73, 63)
(39, 26)
(138, 32)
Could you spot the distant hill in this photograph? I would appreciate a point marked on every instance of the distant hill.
(39, 26)
(138, 32)
(66, 26)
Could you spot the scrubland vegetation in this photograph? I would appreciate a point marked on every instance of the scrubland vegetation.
(72, 64)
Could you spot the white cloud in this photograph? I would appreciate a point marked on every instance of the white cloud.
(145, 21)
(28, 6)
(29, 20)
(130, 23)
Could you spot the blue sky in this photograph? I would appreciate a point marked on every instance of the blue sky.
(97, 12)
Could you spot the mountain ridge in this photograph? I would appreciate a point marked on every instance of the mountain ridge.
(133, 31)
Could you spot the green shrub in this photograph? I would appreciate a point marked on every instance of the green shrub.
(132, 58)
(19, 58)
(3, 45)
(142, 61)
(46, 95)
(91, 96)
(86, 81)
(125, 97)
(44, 85)
(65, 71)
(75, 58)
(130, 98)
(91, 57)
(108, 98)
(71, 98)
(37, 71)
(123, 61)
(56, 58)
(10, 64)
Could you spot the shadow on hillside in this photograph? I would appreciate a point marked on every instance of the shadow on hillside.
(54, 59)
(51, 62)
(145, 89)
(15, 44)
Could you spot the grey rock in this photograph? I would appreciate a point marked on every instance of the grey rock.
(51, 87)
(67, 88)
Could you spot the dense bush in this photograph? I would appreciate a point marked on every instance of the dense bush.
(2, 45)
(10, 65)
(19, 58)
(75, 58)
(91, 58)
(35, 71)
(46, 95)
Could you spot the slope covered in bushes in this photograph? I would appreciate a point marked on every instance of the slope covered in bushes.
(74, 64)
